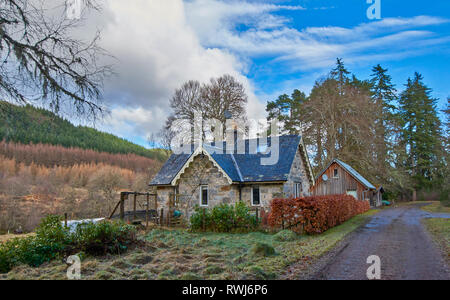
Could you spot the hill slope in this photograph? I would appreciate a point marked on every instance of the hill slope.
(28, 124)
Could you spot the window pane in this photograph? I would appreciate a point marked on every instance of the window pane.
(204, 195)
(335, 172)
(256, 196)
(298, 189)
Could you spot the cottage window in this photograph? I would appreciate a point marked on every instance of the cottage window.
(297, 189)
(256, 196)
(336, 174)
(204, 195)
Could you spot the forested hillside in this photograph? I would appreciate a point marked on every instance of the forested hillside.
(50, 166)
(28, 124)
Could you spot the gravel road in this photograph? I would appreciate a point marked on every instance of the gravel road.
(397, 236)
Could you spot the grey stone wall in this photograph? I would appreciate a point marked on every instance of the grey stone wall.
(203, 172)
(200, 172)
(267, 192)
(298, 173)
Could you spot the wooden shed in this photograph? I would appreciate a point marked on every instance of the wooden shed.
(340, 178)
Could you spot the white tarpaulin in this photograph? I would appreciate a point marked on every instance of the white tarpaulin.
(72, 224)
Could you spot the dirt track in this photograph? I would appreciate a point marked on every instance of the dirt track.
(397, 236)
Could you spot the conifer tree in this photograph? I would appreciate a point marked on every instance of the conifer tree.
(383, 96)
(287, 110)
(421, 134)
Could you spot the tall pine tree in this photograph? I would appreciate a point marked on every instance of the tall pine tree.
(287, 110)
(421, 134)
(383, 96)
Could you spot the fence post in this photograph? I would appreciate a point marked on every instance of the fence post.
(146, 211)
(162, 217)
(122, 206)
(65, 220)
(134, 207)
(257, 217)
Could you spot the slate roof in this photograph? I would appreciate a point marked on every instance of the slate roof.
(352, 172)
(239, 167)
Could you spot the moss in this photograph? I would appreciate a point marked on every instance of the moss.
(140, 258)
(190, 276)
(162, 245)
(122, 264)
(285, 236)
(89, 267)
(104, 275)
(261, 249)
(213, 270)
(166, 275)
(258, 273)
(139, 274)
(202, 242)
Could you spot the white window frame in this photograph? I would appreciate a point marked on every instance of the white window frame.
(297, 188)
(251, 200)
(201, 196)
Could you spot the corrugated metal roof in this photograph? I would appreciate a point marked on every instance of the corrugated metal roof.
(239, 167)
(355, 174)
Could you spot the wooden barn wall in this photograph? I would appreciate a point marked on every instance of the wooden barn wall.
(340, 185)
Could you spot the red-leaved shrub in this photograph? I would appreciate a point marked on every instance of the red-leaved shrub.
(314, 214)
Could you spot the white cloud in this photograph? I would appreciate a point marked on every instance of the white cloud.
(156, 51)
(160, 44)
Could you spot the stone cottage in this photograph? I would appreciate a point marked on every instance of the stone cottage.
(207, 177)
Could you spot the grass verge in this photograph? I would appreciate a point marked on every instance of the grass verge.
(436, 207)
(179, 254)
(440, 230)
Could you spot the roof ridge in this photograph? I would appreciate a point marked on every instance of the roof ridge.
(237, 167)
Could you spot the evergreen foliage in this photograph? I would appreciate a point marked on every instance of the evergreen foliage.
(28, 124)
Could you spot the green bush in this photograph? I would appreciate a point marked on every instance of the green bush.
(201, 219)
(261, 249)
(224, 218)
(53, 240)
(285, 236)
(104, 237)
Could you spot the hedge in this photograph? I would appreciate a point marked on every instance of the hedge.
(53, 240)
(224, 218)
(314, 214)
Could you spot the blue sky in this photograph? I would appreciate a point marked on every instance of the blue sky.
(272, 47)
(433, 60)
